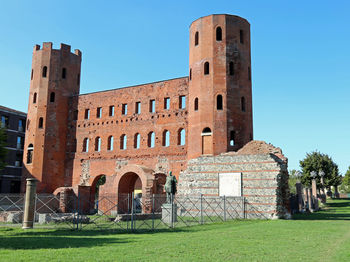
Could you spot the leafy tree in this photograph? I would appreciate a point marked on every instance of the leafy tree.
(292, 181)
(345, 186)
(316, 161)
(3, 151)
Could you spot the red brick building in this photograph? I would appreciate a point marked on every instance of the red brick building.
(136, 135)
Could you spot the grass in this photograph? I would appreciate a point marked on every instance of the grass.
(321, 236)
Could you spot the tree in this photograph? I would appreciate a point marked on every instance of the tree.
(316, 161)
(3, 151)
(345, 186)
(292, 181)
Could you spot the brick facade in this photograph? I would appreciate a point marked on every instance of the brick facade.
(136, 135)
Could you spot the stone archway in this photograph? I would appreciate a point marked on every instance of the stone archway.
(94, 192)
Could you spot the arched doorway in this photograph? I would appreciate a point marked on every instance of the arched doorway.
(207, 141)
(130, 192)
(99, 181)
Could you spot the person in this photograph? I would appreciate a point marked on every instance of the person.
(170, 187)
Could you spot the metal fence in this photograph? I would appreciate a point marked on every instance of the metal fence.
(123, 212)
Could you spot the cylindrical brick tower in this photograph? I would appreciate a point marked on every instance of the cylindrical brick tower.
(220, 93)
(55, 78)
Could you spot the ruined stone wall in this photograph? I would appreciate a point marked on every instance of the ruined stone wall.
(264, 180)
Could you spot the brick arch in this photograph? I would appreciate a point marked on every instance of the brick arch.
(125, 180)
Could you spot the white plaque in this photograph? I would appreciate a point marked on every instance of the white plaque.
(230, 184)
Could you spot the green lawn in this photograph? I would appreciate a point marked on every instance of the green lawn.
(322, 236)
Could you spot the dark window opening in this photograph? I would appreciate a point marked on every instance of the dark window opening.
(196, 38)
(243, 104)
(232, 138)
(124, 109)
(110, 143)
(111, 110)
(152, 106)
(44, 71)
(87, 114)
(182, 102)
(241, 36)
(30, 154)
(28, 122)
(166, 138)
(218, 34)
(137, 140)
(123, 142)
(98, 144)
(138, 108)
(64, 73)
(86, 145)
(196, 104)
(206, 68)
(167, 103)
(34, 98)
(219, 103)
(206, 130)
(31, 75)
(52, 97)
(181, 139)
(99, 112)
(249, 74)
(78, 79)
(231, 69)
(41, 122)
(151, 139)
(190, 73)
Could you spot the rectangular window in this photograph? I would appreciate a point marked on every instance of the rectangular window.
(20, 142)
(124, 109)
(182, 102)
(138, 108)
(249, 74)
(20, 125)
(111, 110)
(241, 36)
(167, 103)
(87, 114)
(152, 106)
(4, 121)
(99, 112)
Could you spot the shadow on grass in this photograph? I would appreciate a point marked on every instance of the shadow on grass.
(335, 209)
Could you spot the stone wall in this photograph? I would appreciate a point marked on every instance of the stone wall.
(264, 180)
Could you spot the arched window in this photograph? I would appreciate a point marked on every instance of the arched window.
(151, 139)
(206, 130)
(41, 122)
(219, 102)
(232, 138)
(137, 140)
(64, 71)
(196, 104)
(28, 123)
(98, 144)
(231, 69)
(34, 98)
(243, 104)
(86, 144)
(181, 137)
(196, 38)
(123, 142)
(206, 68)
(218, 33)
(190, 73)
(241, 36)
(31, 75)
(166, 138)
(52, 97)
(110, 143)
(44, 71)
(30, 151)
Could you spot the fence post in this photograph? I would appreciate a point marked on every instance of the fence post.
(29, 212)
(201, 208)
(132, 211)
(224, 208)
(152, 211)
(244, 207)
(128, 211)
(78, 209)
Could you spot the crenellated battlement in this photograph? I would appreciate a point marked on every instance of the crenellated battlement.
(63, 48)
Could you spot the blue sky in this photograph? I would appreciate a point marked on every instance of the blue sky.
(300, 58)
